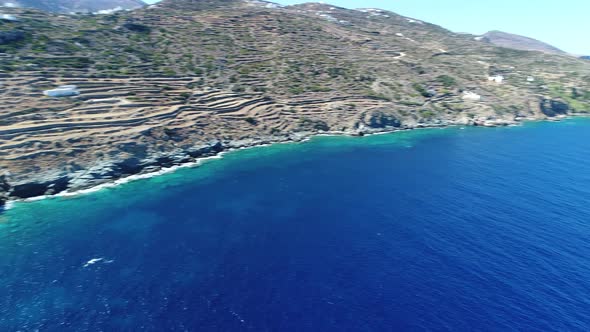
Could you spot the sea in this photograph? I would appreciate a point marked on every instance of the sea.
(455, 229)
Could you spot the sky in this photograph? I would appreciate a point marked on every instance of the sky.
(561, 23)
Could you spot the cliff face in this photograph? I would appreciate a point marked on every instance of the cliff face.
(163, 85)
(79, 6)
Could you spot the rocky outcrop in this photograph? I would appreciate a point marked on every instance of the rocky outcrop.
(205, 151)
(4, 188)
(554, 107)
(34, 189)
(383, 120)
(313, 125)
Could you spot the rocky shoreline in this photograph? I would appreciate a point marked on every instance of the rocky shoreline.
(107, 173)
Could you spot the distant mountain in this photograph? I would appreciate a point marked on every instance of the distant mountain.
(518, 42)
(67, 6)
(585, 57)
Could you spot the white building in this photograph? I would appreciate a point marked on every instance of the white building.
(62, 91)
(469, 95)
(109, 11)
(497, 79)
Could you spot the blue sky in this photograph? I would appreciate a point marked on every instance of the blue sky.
(562, 23)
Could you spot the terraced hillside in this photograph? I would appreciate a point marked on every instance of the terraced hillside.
(166, 84)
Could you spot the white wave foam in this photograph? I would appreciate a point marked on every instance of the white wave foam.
(135, 177)
(10, 204)
(97, 260)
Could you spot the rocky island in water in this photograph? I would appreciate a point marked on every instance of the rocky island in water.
(89, 98)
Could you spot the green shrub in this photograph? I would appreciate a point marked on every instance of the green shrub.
(447, 81)
(336, 72)
(421, 90)
(238, 89)
(169, 72)
(426, 113)
(63, 62)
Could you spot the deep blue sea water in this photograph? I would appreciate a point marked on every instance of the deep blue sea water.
(471, 229)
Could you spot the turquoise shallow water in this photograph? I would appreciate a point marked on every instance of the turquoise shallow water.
(441, 229)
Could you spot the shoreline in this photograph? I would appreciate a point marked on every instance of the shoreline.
(254, 143)
(115, 182)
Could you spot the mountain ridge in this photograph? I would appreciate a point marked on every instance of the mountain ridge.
(519, 42)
